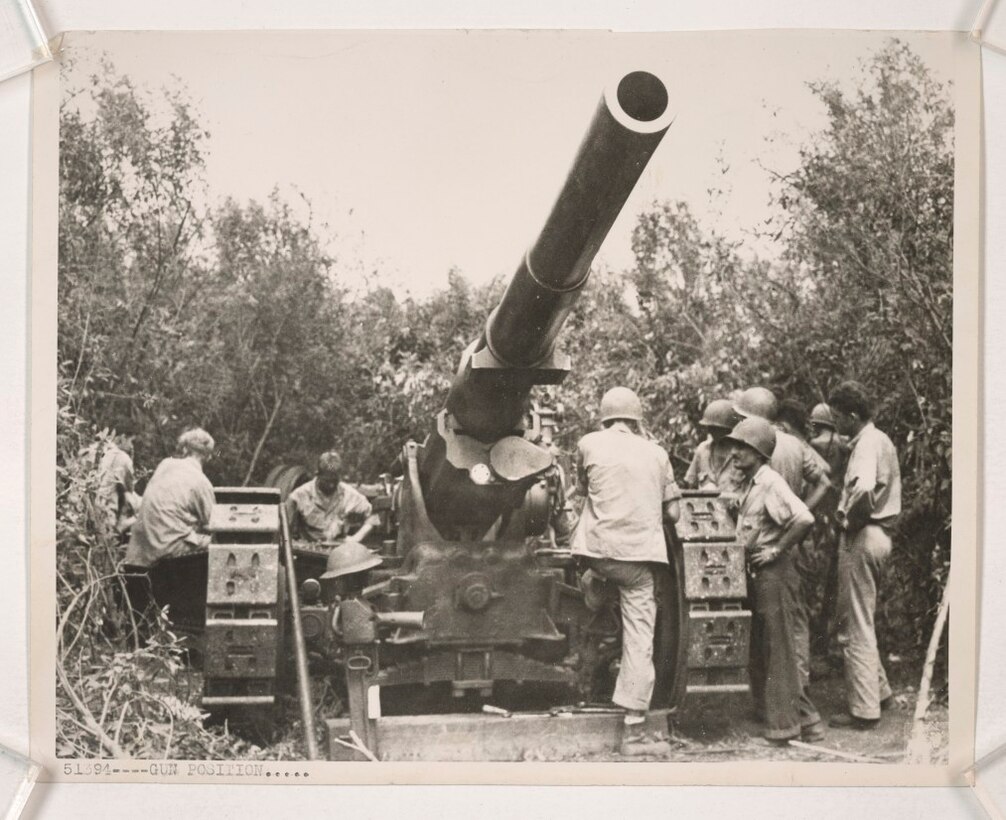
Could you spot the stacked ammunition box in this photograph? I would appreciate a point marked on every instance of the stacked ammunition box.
(719, 628)
(244, 599)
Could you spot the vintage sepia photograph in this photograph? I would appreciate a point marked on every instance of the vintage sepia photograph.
(470, 397)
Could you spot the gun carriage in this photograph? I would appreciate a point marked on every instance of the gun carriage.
(474, 601)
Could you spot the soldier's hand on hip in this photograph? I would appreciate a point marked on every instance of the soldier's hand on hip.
(764, 555)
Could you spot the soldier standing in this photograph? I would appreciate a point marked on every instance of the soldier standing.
(712, 466)
(828, 442)
(834, 449)
(116, 496)
(771, 522)
(628, 484)
(806, 474)
(794, 459)
(867, 511)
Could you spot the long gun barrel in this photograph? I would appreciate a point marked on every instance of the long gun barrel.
(517, 350)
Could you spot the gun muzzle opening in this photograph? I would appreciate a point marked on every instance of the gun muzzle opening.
(642, 96)
(640, 103)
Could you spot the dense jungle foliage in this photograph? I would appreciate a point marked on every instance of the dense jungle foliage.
(232, 316)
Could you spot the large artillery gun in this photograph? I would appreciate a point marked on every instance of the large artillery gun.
(475, 602)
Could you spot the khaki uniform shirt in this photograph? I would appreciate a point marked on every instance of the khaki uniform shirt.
(704, 474)
(175, 510)
(769, 506)
(871, 492)
(323, 518)
(797, 462)
(834, 449)
(628, 479)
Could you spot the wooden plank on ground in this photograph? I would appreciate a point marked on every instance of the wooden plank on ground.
(478, 737)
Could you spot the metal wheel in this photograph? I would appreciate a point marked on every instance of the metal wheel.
(286, 478)
(670, 642)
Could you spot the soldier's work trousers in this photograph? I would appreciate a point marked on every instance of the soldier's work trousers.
(861, 559)
(638, 606)
(775, 677)
(801, 613)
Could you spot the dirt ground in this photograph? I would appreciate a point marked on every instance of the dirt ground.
(723, 727)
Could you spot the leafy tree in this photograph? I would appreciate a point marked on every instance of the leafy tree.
(863, 289)
(869, 215)
(129, 252)
(278, 318)
(174, 313)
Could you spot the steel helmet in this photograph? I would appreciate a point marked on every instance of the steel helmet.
(348, 558)
(757, 401)
(821, 414)
(621, 403)
(719, 413)
(755, 433)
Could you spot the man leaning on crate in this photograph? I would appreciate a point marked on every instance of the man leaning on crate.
(172, 518)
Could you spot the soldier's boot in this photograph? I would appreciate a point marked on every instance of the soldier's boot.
(637, 742)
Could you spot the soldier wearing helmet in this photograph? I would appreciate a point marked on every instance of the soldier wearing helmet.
(795, 460)
(772, 520)
(346, 568)
(628, 486)
(831, 445)
(806, 473)
(712, 466)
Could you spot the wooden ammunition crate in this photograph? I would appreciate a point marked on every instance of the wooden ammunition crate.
(714, 570)
(718, 638)
(704, 517)
(243, 574)
(243, 648)
(244, 518)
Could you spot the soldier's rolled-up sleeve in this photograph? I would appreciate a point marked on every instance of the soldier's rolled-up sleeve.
(782, 505)
(814, 467)
(356, 502)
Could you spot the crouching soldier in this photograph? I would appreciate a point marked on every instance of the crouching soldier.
(771, 521)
